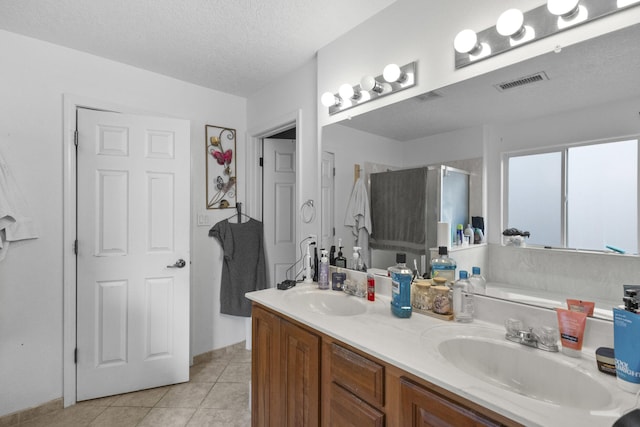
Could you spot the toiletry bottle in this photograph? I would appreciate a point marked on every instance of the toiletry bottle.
(401, 287)
(468, 235)
(478, 236)
(323, 277)
(315, 264)
(332, 255)
(443, 266)
(462, 299)
(478, 282)
(371, 287)
(341, 261)
(459, 238)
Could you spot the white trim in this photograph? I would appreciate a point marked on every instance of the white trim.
(70, 104)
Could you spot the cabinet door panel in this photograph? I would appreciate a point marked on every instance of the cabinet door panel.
(300, 373)
(266, 404)
(421, 407)
(348, 410)
(357, 374)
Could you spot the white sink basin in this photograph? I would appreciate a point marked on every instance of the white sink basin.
(328, 302)
(533, 373)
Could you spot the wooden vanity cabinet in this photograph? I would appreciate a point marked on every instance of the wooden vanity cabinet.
(293, 386)
(285, 372)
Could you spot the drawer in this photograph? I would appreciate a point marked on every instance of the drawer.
(359, 375)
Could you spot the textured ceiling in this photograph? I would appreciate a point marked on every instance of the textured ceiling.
(235, 46)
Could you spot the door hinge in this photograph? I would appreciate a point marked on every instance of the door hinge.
(334, 172)
(75, 246)
(75, 138)
(334, 231)
(75, 355)
(261, 161)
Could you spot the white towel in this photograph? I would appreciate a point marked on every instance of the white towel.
(358, 217)
(15, 222)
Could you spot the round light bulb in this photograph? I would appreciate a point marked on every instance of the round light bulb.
(562, 7)
(328, 99)
(392, 73)
(466, 41)
(368, 83)
(346, 91)
(510, 22)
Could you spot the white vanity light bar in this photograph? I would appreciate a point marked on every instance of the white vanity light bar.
(541, 23)
(406, 79)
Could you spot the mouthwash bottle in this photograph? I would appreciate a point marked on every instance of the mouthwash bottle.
(401, 287)
(443, 266)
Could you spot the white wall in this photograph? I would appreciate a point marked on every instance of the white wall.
(34, 77)
(292, 96)
(422, 30)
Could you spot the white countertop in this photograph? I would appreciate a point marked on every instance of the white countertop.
(410, 345)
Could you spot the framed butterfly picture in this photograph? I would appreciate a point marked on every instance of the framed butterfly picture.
(220, 143)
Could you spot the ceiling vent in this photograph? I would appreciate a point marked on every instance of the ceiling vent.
(522, 81)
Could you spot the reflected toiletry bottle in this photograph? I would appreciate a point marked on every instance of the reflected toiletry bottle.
(478, 282)
(371, 287)
(341, 261)
(357, 261)
(443, 266)
(323, 280)
(468, 235)
(401, 287)
(459, 238)
(332, 255)
(462, 299)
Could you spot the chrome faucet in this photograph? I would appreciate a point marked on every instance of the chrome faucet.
(544, 339)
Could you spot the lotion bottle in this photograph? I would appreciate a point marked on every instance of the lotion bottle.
(323, 277)
(462, 299)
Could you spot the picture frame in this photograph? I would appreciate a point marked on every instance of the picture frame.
(220, 158)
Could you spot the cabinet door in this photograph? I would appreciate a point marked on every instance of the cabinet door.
(421, 407)
(348, 410)
(300, 375)
(266, 403)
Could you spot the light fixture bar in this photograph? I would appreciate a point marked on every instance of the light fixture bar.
(408, 74)
(544, 24)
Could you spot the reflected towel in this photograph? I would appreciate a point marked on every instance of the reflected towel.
(398, 206)
(15, 222)
(358, 217)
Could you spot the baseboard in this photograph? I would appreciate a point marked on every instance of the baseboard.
(216, 354)
(24, 415)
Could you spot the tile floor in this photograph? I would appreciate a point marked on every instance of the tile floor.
(216, 395)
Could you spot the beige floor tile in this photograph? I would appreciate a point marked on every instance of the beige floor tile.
(167, 417)
(220, 418)
(241, 356)
(144, 398)
(207, 372)
(228, 396)
(236, 373)
(187, 395)
(74, 416)
(119, 416)
(102, 401)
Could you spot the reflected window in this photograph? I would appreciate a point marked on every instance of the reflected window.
(582, 197)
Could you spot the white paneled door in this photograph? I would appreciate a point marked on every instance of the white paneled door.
(133, 253)
(279, 192)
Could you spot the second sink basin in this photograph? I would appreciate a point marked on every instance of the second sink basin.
(526, 371)
(328, 302)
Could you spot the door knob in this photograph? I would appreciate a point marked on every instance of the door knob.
(179, 264)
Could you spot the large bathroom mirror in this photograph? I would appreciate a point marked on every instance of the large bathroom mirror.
(448, 126)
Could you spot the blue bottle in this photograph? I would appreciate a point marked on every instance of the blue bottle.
(401, 287)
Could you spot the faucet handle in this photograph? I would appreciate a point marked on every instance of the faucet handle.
(513, 326)
(547, 336)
